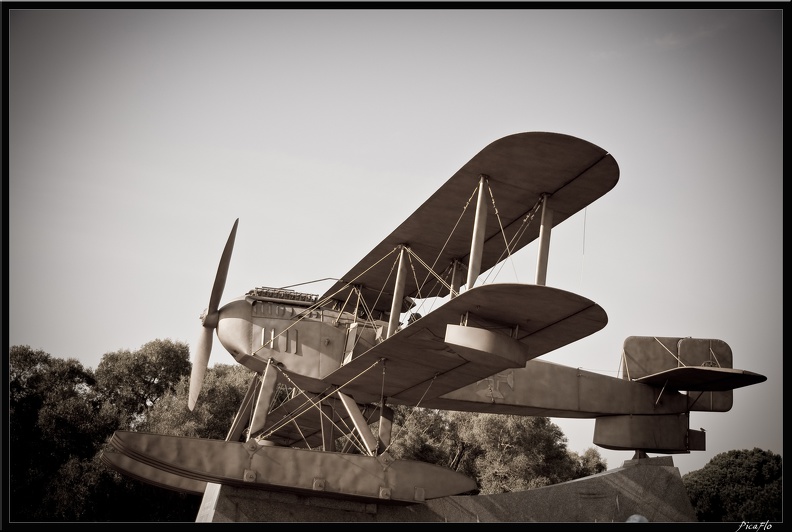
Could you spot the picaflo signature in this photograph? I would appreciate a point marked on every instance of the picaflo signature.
(762, 525)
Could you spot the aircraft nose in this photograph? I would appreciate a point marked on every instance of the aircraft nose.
(235, 329)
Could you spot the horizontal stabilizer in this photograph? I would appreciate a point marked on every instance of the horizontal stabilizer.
(703, 379)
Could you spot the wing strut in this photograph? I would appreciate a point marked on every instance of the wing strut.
(385, 428)
(477, 244)
(360, 423)
(398, 294)
(544, 241)
(456, 277)
(269, 383)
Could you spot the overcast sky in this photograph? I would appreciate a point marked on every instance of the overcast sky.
(138, 137)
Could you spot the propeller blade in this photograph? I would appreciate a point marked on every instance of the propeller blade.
(209, 321)
(222, 272)
(200, 363)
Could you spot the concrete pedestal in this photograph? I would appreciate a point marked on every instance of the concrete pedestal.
(650, 487)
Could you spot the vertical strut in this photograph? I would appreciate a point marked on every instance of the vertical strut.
(269, 381)
(544, 242)
(479, 228)
(360, 424)
(326, 424)
(456, 278)
(398, 294)
(385, 428)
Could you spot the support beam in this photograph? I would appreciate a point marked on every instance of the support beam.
(544, 242)
(360, 423)
(398, 293)
(456, 278)
(479, 228)
(385, 428)
(328, 432)
(350, 341)
(243, 415)
(269, 381)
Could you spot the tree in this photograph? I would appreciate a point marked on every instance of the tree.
(501, 452)
(589, 463)
(55, 417)
(61, 416)
(97, 493)
(421, 434)
(516, 453)
(135, 381)
(738, 486)
(222, 392)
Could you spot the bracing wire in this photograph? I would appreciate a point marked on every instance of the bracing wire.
(319, 304)
(314, 403)
(450, 234)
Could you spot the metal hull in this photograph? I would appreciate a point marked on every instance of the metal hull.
(329, 474)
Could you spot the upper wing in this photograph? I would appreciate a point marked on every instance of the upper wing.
(521, 168)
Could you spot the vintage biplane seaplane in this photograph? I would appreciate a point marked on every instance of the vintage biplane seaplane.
(346, 355)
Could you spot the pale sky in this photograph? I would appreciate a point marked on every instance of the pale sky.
(137, 137)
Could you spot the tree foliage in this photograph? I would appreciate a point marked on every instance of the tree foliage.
(135, 381)
(423, 434)
(55, 417)
(501, 452)
(738, 486)
(61, 416)
(222, 392)
(589, 463)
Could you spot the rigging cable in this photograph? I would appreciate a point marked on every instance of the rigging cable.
(320, 303)
(453, 230)
(312, 403)
(412, 411)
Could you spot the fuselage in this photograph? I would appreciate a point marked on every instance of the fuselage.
(306, 341)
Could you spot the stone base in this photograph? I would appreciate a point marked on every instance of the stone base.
(649, 487)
